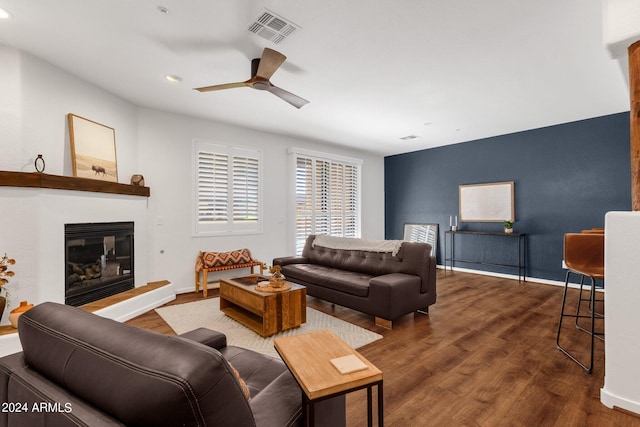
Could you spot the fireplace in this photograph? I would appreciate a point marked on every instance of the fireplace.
(98, 260)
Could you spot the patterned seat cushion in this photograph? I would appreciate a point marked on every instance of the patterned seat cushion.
(220, 259)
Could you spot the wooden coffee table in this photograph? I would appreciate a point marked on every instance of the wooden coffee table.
(308, 357)
(266, 313)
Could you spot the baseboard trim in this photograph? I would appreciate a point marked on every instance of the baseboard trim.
(610, 400)
(511, 276)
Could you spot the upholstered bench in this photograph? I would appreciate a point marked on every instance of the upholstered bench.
(208, 262)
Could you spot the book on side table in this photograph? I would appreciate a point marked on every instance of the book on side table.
(348, 364)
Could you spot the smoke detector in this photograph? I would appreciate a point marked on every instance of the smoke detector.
(272, 27)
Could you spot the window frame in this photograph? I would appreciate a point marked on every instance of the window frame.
(330, 161)
(229, 226)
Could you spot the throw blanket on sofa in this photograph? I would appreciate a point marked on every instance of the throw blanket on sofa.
(354, 244)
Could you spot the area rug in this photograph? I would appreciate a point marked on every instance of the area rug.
(206, 313)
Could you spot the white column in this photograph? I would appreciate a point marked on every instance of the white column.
(622, 311)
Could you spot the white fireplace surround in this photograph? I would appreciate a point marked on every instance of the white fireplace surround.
(39, 247)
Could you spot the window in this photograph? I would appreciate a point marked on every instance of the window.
(227, 189)
(327, 196)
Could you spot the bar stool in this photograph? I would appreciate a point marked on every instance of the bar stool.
(584, 256)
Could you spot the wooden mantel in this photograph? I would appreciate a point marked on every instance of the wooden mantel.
(58, 182)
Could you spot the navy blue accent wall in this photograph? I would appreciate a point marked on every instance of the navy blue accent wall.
(567, 177)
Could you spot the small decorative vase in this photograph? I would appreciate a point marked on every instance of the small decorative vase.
(508, 230)
(17, 312)
(277, 279)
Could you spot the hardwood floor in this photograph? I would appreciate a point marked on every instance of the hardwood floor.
(484, 356)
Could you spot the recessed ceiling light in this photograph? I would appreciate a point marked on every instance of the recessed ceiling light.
(409, 137)
(163, 9)
(5, 14)
(173, 78)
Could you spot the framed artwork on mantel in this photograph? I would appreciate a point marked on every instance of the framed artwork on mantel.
(93, 149)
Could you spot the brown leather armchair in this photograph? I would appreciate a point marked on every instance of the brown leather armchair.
(79, 369)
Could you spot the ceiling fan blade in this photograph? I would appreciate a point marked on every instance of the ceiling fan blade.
(220, 87)
(271, 60)
(292, 99)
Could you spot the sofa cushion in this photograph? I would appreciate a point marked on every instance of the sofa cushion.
(275, 396)
(219, 259)
(350, 282)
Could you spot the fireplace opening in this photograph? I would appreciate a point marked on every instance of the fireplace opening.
(98, 260)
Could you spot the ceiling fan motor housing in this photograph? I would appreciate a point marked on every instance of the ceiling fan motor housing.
(255, 63)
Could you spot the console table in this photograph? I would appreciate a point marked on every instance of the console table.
(519, 238)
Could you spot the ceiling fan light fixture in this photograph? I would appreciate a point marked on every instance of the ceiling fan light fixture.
(260, 85)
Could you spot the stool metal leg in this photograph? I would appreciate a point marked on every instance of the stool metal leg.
(591, 308)
(589, 368)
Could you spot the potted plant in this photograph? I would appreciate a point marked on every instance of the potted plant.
(508, 226)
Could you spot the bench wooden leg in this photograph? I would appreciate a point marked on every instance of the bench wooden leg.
(205, 283)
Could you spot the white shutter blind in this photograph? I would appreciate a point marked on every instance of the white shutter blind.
(212, 187)
(227, 189)
(336, 190)
(304, 201)
(245, 188)
(327, 198)
(322, 198)
(352, 201)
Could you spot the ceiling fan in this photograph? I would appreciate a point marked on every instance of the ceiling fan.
(261, 70)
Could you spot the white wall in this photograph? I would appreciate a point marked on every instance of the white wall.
(36, 98)
(165, 142)
(32, 122)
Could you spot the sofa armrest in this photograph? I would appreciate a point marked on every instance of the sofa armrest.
(395, 279)
(213, 339)
(290, 260)
(394, 287)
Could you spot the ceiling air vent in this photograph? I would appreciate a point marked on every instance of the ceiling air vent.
(272, 27)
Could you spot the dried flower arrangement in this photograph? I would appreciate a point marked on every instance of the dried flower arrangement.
(5, 262)
(275, 269)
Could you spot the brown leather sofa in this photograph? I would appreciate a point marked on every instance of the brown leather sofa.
(376, 283)
(79, 369)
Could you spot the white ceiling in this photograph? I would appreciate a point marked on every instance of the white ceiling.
(374, 70)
